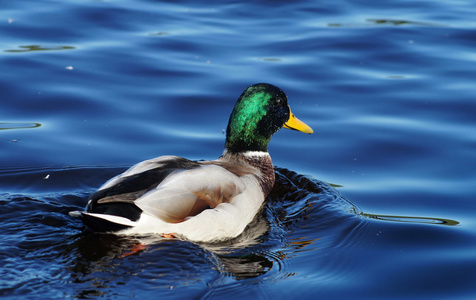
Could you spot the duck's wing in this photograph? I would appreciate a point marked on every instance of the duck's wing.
(172, 189)
(117, 196)
(185, 194)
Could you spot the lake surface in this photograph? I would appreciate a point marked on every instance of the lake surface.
(377, 203)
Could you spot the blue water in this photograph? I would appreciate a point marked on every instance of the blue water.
(378, 203)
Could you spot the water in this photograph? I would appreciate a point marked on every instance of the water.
(378, 203)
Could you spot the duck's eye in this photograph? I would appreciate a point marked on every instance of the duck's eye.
(281, 102)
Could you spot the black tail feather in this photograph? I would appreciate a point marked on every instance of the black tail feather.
(100, 224)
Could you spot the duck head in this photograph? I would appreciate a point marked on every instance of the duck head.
(260, 112)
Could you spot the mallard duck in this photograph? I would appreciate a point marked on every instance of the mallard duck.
(202, 201)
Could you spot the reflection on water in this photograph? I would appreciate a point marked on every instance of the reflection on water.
(400, 22)
(29, 48)
(370, 22)
(16, 125)
(403, 219)
(248, 266)
(159, 33)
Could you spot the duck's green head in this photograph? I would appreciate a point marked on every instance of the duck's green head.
(260, 111)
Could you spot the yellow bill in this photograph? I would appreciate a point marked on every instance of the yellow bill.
(296, 124)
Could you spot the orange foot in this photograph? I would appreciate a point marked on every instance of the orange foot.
(169, 235)
(133, 250)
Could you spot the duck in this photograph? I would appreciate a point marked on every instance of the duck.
(200, 201)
